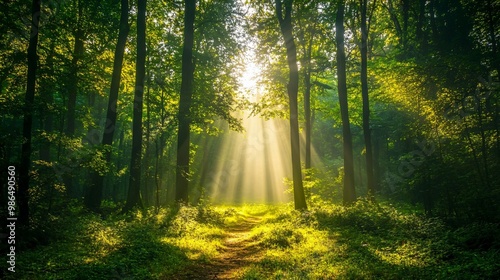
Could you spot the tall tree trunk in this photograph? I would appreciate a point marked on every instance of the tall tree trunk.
(395, 20)
(119, 184)
(307, 99)
(484, 148)
(48, 122)
(73, 78)
(94, 194)
(183, 139)
(307, 113)
(293, 89)
(406, 9)
(157, 179)
(24, 179)
(73, 91)
(420, 26)
(147, 154)
(349, 192)
(134, 188)
(306, 45)
(48, 128)
(366, 104)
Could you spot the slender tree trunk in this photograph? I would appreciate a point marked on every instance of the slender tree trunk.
(78, 50)
(307, 112)
(94, 195)
(48, 123)
(420, 25)
(24, 178)
(397, 25)
(293, 89)
(183, 136)
(366, 104)
(134, 188)
(484, 148)
(48, 128)
(147, 155)
(306, 45)
(432, 20)
(349, 192)
(376, 163)
(157, 181)
(406, 9)
(307, 101)
(73, 80)
(118, 184)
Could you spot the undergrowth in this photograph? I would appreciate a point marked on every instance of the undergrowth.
(372, 241)
(363, 241)
(140, 245)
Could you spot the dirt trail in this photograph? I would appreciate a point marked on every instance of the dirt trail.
(238, 252)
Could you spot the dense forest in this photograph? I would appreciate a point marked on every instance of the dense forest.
(237, 139)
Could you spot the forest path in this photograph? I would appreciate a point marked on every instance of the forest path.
(239, 250)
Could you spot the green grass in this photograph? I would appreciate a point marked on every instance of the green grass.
(364, 241)
(368, 241)
(142, 245)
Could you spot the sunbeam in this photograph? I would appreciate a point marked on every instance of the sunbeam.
(250, 166)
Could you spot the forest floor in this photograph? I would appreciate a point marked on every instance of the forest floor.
(254, 242)
(239, 250)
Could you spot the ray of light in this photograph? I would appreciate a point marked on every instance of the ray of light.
(250, 166)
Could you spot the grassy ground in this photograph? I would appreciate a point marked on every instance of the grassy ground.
(365, 241)
(372, 242)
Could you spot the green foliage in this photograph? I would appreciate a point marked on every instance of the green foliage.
(370, 241)
(362, 241)
(141, 245)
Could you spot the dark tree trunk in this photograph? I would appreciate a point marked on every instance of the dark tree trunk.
(406, 10)
(134, 188)
(73, 91)
(48, 121)
(349, 192)
(157, 176)
(420, 25)
(292, 88)
(73, 77)
(94, 194)
(119, 184)
(307, 99)
(395, 20)
(366, 104)
(24, 179)
(48, 128)
(147, 154)
(183, 141)
(307, 113)
(432, 19)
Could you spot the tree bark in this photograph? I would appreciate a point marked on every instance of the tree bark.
(134, 188)
(24, 178)
(73, 78)
(48, 120)
(395, 20)
(292, 89)
(94, 195)
(366, 104)
(183, 135)
(307, 100)
(349, 192)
